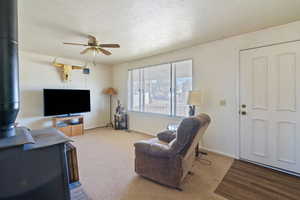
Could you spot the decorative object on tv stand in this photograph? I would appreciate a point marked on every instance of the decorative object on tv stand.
(121, 118)
(67, 69)
(194, 99)
(111, 92)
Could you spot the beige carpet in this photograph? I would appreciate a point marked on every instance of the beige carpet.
(106, 164)
(79, 194)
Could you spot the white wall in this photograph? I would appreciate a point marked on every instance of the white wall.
(216, 68)
(36, 73)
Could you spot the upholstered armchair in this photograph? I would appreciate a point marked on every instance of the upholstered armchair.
(168, 158)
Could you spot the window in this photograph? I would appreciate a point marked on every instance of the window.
(183, 84)
(136, 82)
(157, 83)
(161, 88)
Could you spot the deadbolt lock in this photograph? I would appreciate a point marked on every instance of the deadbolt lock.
(244, 106)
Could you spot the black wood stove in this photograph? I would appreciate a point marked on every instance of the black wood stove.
(32, 163)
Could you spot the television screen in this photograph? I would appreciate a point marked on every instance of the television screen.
(62, 102)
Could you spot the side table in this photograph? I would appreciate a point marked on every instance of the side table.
(121, 121)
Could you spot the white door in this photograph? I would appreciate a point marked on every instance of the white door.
(270, 105)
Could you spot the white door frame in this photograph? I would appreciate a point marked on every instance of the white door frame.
(238, 146)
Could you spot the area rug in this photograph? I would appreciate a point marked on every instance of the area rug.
(78, 193)
(246, 181)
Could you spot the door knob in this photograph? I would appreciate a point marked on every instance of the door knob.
(243, 113)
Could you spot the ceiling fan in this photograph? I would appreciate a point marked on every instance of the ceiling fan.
(94, 46)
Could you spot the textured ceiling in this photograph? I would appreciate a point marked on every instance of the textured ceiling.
(142, 27)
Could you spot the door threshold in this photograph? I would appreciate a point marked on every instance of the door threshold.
(271, 167)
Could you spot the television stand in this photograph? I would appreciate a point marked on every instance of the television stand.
(65, 124)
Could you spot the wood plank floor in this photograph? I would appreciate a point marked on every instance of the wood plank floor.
(246, 181)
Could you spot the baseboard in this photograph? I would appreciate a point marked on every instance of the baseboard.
(92, 128)
(140, 132)
(204, 148)
(219, 152)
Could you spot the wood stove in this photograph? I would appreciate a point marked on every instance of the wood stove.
(35, 168)
(32, 163)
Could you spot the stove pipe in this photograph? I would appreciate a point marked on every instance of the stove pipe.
(9, 69)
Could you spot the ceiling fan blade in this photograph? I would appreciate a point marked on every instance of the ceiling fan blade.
(104, 51)
(85, 51)
(98, 51)
(75, 44)
(110, 45)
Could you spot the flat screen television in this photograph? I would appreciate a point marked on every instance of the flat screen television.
(66, 101)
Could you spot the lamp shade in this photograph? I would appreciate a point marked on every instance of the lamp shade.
(110, 91)
(194, 98)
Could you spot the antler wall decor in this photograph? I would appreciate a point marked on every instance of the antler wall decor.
(67, 69)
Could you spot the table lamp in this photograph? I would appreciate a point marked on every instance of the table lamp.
(194, 99)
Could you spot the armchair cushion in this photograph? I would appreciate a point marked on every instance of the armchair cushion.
(186, 132)
(166, 136)
(154, 148)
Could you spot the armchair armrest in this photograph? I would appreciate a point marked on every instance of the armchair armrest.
(152, 148)
(166, 136)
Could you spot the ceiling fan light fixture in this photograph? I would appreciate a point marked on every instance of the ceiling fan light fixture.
(94, 46)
